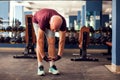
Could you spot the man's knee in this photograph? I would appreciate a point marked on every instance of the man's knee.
(51, 41)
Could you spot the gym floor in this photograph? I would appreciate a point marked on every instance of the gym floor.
(26, 69)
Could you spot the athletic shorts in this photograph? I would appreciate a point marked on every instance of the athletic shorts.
(48, 32)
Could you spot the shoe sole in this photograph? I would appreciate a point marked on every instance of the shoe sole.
(53, 73)
(41, 74)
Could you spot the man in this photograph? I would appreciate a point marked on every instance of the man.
(48, 21)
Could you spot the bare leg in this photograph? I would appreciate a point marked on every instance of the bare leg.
(51, 47)
(39, 58)
(40, 45)
(39, 39)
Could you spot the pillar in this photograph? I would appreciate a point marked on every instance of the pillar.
(83, 16)
(115, 36)
(72, 18)
(105, 18)
(95, 10)
(4, 11)
(79, 19)
(19, 14)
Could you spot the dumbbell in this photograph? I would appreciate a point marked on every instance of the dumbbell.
(13, 40)
(7, 39)
(21, 28)
(15, 28)
(1, 39)
(9, 28)
(19, 40)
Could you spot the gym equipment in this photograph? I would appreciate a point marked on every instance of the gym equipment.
(15, 28)
(29, 39)
(84, 41)
(23, 39)
(7, 39)
(72, 38)
(9, 28)
(13, 40)
(21, 28)
(109, 45)
(2, 29)
(17, 22)
(19, 40)
(91, 29)
(16, 40)
(101, 36)
(1, 39)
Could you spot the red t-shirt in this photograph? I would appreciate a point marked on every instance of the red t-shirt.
(43, 16)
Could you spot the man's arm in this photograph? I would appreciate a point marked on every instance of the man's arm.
(61, 42)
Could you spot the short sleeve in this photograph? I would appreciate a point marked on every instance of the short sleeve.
(42, 24)
(63, 26)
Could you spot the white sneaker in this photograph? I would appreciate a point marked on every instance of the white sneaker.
(41, 71)
(53, 70)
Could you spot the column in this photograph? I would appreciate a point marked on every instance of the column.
(83, 16)
(115, 36)
(72, 18)
(95, 10)
(19, 14)
(78, 20)
(105, 18)
(4, 11)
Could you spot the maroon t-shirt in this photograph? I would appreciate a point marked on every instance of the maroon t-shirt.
(43, 16)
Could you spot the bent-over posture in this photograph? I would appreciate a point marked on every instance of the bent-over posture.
(47, 22)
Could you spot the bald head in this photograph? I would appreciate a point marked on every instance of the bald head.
(55, 22)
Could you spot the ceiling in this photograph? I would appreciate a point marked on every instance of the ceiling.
(64, 7)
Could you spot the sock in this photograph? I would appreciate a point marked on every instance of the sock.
(51, 63)
(40, 64)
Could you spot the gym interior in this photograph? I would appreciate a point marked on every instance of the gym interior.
(99, 60)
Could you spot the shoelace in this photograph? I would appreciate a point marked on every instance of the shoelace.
(54, 67)
(41, 68)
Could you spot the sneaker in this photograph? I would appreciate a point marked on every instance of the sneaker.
(53, 70)
(41, 71)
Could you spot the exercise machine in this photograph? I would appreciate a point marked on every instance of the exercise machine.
(83, 44)
(30, 40)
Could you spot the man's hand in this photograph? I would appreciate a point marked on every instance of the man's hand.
(57, 58)
(46, 59)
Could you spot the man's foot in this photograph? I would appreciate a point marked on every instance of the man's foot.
(41, 71)
(53, 70)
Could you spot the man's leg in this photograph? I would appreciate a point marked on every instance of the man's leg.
(51, 47)
(51, 50)
(36, 29)
(39, 58)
